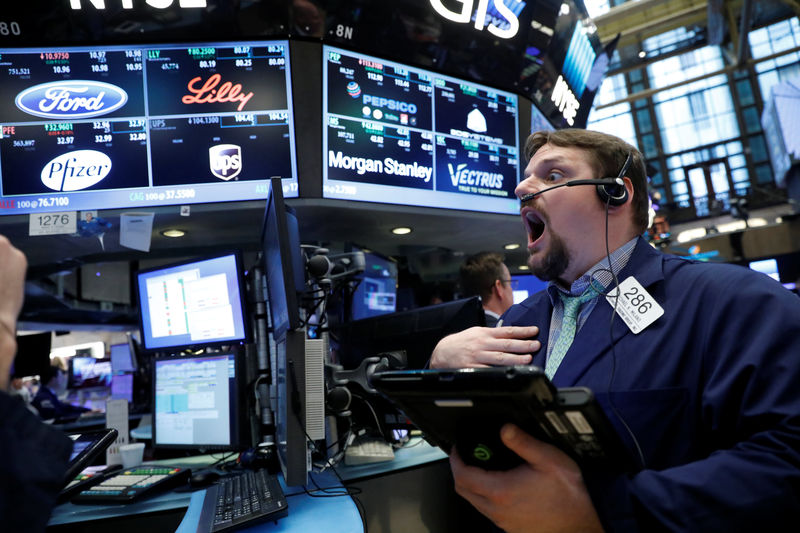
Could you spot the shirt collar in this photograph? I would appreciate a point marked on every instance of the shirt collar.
(599, 272)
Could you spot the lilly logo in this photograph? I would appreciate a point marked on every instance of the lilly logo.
(71, 99)
(75, 171)
(225, 160)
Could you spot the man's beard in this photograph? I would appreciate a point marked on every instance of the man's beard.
(554, 264)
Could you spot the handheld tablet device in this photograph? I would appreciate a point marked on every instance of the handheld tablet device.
(86, 446)
(466, 408)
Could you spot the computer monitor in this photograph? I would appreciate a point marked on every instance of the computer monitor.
(155, 124)
(122, 387)
(395, 133)
(526, 285)
(87, 372)
(376, 293)
(416, 331)
(122, 359)
(196, 402)
(766, 266)
(194, 303)
(33, 354)
(297, 391)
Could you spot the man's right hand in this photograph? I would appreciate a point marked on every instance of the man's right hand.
(483, 347)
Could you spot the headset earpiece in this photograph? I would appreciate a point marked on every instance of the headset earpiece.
(615, 193)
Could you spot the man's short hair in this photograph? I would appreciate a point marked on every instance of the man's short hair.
(607, 155)
(479, 272)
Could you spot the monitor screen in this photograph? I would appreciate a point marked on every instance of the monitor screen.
(194, 303)
(283, 262)
(196, 402)
(403, 135)
(149, 125)
(526, 285)
(766, 266)
(88, 372)
(122, 387)
(122, 359)
(376, 293)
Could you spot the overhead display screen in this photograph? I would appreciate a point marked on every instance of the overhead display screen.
(402, 135)
(86, 128)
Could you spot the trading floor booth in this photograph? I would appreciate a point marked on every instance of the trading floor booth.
(275, 129)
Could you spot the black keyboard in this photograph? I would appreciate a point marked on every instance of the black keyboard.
(241, 500)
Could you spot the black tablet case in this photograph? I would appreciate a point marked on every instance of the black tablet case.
(466, 408)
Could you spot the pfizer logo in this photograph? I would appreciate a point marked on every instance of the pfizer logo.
(225, 160)
(353, 89)
(75, 171)
(71, 99)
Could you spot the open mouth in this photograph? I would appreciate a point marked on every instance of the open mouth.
(534, 224)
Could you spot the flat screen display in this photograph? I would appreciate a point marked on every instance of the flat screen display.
(195, 402)
(115, 127)
(195, 303)
(88, 372)
(122, 359)
(403, 135)
(526, 285)
(376, 293)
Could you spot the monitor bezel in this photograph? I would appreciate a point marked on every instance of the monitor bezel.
(277, 205)
(247, 334)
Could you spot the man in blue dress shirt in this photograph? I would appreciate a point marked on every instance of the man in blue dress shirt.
(697, 365)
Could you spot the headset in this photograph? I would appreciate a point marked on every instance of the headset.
(611, 191)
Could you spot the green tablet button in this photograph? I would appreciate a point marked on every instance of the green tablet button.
(482, 452)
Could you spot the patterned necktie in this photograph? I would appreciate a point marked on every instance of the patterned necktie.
(568, 326)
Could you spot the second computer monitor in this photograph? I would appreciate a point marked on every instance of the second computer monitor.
(197, 402)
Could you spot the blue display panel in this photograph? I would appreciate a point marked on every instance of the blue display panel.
(195, 303)
(403, 135)
(527, 285)
(376, 294)
(86, 128)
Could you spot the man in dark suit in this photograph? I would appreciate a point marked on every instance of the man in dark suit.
(46, 400)
(486, 275)
(695, 364)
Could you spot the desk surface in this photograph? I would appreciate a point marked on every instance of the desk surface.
(306, 513)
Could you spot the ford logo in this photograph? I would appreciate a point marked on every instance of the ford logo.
(71, 99)
(75, 171)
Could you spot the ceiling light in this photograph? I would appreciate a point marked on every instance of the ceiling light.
(642, 54)
(511, 246)
(401, 231)
(523, 267)
(174, 233)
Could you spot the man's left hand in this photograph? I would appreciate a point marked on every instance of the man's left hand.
(545, 494)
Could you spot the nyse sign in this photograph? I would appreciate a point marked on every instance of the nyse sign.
(128, 4)
(465, 14)
(565, 100)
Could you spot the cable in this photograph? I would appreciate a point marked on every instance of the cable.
(614, 350)
(374, 414)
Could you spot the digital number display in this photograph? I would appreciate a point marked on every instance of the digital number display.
(398, 134)
(144, 125)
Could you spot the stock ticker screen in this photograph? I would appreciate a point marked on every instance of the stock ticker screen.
(143, 125)
(404, 135)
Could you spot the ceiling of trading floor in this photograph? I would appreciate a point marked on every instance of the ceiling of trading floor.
(636, 21)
